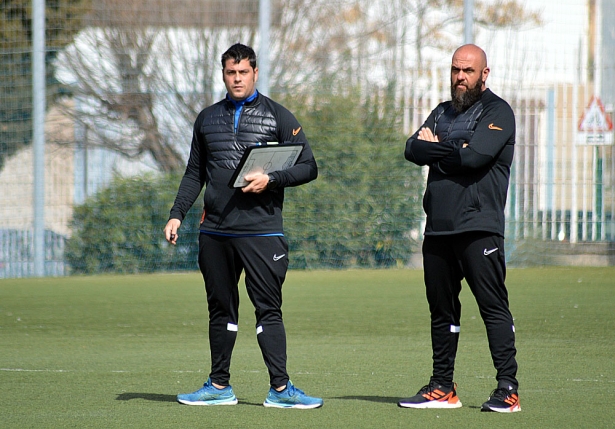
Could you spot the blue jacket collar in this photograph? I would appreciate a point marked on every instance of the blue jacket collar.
(244, 101)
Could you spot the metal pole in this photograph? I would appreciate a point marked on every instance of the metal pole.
(574, 212)
(468, 21)
(38, 133)
(264, 22)
(599, 212)
(550, 179)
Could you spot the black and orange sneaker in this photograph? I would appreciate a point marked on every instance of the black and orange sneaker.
(433, 396)
(503, 400)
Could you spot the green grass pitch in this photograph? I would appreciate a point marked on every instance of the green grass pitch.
(113, 351)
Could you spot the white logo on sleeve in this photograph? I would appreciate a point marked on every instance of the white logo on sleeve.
(489, 252)
(277, 258)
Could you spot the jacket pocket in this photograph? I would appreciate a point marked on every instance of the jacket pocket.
(473, 197)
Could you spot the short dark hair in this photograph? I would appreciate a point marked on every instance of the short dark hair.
(239, 52)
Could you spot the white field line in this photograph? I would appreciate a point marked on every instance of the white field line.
(34, 370)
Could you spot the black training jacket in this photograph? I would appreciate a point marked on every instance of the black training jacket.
(215, 154)
(466, 187)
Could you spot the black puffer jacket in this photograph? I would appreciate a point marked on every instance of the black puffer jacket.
(215, 154)
(466, 187)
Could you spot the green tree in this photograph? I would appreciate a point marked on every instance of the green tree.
(366, 201)
(63, 21)
(120, 229)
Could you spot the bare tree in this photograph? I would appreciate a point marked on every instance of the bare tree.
(436, 24)
(141, 85)
(356, 44)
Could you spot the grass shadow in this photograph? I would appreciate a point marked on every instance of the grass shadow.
(158, 397)
(379, 399)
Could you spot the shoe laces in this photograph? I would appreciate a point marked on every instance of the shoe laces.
(500, 393)
(433, 386)
(292, 390)
(425, 389)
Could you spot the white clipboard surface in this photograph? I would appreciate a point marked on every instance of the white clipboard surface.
(265, 159)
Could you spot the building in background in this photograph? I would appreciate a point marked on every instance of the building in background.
(16, 210)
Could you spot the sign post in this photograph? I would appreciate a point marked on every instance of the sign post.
(596, 129)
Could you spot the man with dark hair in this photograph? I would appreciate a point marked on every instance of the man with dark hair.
(241, 228)
(468, 144)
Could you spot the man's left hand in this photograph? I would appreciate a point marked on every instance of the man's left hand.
(427, 135)
(258, 183)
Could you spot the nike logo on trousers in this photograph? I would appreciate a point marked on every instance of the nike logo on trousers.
(489, 252)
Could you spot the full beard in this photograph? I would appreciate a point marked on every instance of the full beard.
(463, 100)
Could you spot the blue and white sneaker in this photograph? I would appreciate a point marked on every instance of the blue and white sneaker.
(209, 395)
(291, 397)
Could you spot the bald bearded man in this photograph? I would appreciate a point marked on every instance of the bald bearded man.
(468, 145)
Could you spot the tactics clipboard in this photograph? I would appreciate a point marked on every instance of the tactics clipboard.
(265, 159)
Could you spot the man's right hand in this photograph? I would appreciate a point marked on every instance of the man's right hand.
(170, 231)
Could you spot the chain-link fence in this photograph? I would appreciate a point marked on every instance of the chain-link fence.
(126, 79)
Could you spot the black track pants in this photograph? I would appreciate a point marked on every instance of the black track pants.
(265, 262)
(479, 258)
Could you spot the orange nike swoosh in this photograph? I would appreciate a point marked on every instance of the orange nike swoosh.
(493, 127)
(295, 132)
